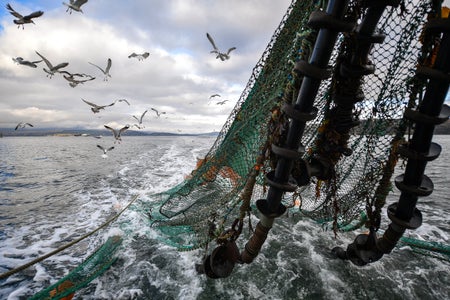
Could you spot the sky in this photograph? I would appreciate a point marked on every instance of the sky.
(178, 77)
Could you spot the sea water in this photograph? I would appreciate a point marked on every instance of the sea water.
(54, 190)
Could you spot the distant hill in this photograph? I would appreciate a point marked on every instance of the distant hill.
(87, 132)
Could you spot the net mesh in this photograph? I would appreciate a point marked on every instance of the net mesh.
(232, 175)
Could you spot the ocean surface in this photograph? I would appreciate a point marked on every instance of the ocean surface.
(54, 190)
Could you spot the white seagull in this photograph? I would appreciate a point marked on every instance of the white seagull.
(117, 133)
(96, 108)
(123, 100)
(222, 102)
(139, 57)
(139, 125)
(20, 61)
(52, 69)
(73, 82)
(158, 114)
(22, 125)
(75, 5)
(105, 150)
(22, 20)
(106, 70)
(221, 55)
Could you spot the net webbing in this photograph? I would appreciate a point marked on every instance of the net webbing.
(204, 206)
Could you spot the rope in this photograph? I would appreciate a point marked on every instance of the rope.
(39, 259)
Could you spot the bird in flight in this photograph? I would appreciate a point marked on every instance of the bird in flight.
(71, 78)
(222, 102)
(20, 61)
(139, 125)
(158, 113)
(106, 70)
(214, 95)
(52, 69)
(22, 20)
(139, 57)
(75, 5)
(123, 100)
(223, 56)
(105, 150)
(96, 108)
(22, 125)
(117, 133)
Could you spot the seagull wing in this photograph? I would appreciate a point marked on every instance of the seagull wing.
(123, 129)
(110, 148)
(212, 42)
(98, 67)
(231, 49)
(137, 119)
(13, 12)
(47, 62)
(155, 110)
(34, 15)
(103, 149)
(145, 55)
(132, 55)
(78, 3)
(18, 125)
(124, 100)
(90, 103)
(60, 66)
(29, 124)
(36, 61)
(112, 129)
(142, 116)
(108, 66)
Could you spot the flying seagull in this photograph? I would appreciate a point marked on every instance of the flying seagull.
(22, 125)
(75, 5)
(123, 100)
(20, 61)
(139, 56)
(214, 95)
(158, 114)
(117, 133)
(96, 108)
(22, 20)
(52, 69)
(221, 55)
(105, 150)
(106, 70)
(73, 81)
(139, 125)
(222, 102)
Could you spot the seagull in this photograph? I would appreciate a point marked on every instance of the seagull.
(105, 150)
(158, 114)
(22, 20)
(96, 108)
(117, 133)
(22, 125)
(139, 57)
(215, 95)
(123, 100)
(222, 56)
(20, 61)
(52, 69)
(222, 102)
(140, 120)
(106, 70)
(70, 77)
(75, 5)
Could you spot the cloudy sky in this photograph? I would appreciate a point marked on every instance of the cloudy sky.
(178, 77)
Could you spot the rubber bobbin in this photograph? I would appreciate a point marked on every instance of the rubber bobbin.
(433, 152)
(321, 20)
(287, 187)
(431, 73)
(419, 117)
(288, 153)
(414, 223)
(355, 71)
(425, 189)
(348, 100)
(293, 113)
(304, 68)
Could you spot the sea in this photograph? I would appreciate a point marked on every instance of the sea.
(54, 190)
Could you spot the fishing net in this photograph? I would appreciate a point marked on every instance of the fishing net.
(228, 180)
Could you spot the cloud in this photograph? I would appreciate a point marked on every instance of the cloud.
(178, 77)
